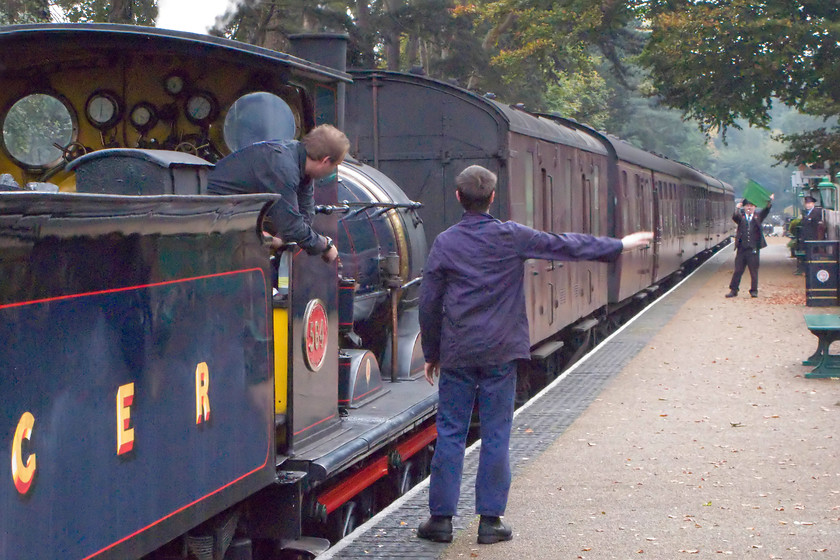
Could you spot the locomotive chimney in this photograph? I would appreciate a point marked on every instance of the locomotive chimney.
(327, 49)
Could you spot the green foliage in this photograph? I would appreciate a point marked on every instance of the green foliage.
(24, 11)
(545, 42)
(813, 146)
(725, 63)
(582, 96)
(139, 12)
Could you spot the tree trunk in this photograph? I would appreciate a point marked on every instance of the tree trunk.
(411, 51)
(391, 35)
(365, 45)
(121, 12)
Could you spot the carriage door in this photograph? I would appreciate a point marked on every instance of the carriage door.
(533, 272)
(658, 191)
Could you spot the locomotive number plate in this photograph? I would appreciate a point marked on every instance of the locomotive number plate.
(315, 335)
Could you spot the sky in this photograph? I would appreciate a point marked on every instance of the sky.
(196, 16)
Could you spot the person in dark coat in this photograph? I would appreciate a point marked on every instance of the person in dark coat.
(474, 328)
(286, 167)
(811, 226)
(749, 240)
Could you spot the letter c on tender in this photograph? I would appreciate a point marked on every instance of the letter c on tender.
(23, 474)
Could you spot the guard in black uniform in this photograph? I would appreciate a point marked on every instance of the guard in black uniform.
(749, 240)
(811, 228)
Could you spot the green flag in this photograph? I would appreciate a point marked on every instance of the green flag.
(756, 194)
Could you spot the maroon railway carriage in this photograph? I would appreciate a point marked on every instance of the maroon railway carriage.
(554, 174)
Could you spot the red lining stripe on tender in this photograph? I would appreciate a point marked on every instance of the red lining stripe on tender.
(129, 288)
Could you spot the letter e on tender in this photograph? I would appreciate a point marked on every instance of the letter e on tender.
(125, 435)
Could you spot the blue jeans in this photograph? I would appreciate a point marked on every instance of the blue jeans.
(495, 387)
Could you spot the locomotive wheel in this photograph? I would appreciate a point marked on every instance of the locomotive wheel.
(343, 521)
(406, 479)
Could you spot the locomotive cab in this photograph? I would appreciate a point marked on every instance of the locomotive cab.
(117, 127)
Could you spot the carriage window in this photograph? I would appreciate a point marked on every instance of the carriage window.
(548, 201)
(641, 205)
(568, 209)
(37, 129)
(587, 203)
(259, 116)
(529, 190)
(596, 201)
(625, 203)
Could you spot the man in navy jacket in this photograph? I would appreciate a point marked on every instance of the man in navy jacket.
(749, 240)
(474, 328)
(286, 167)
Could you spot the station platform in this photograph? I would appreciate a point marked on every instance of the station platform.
(691, 432)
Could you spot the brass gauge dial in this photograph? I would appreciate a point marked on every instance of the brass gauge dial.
(143, 116)
(174, 84)
(103, 109)
(201, 108)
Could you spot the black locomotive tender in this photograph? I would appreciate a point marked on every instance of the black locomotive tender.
(169, 393)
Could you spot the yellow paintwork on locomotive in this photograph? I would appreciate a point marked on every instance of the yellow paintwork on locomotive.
(281, 360)
(134, 79)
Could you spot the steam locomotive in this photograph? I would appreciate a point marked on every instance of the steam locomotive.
(172, 390)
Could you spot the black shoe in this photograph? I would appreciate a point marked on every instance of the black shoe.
(492, 530)
(732, 293)
(753, 294)
(437, 528)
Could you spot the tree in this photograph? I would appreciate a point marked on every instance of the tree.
(393, 34)
(137, 12)
(726, 60)
(24, 11)
(543, 40)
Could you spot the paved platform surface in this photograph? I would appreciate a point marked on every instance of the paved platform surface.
(691, 433)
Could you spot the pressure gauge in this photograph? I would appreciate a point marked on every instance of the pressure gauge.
(174, 84)
(143, 116)
(103, 109)
(201, 108)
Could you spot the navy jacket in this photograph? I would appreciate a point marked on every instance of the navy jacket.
(750, 236)
(811, 226)
(274, 167)
(472, 300)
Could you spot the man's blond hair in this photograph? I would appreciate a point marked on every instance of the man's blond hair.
(326, 141)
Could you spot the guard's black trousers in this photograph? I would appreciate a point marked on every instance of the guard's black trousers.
(745, 258)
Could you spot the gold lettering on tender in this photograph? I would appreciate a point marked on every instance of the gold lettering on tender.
(125, 435)
(23, 473)
(202, 399)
